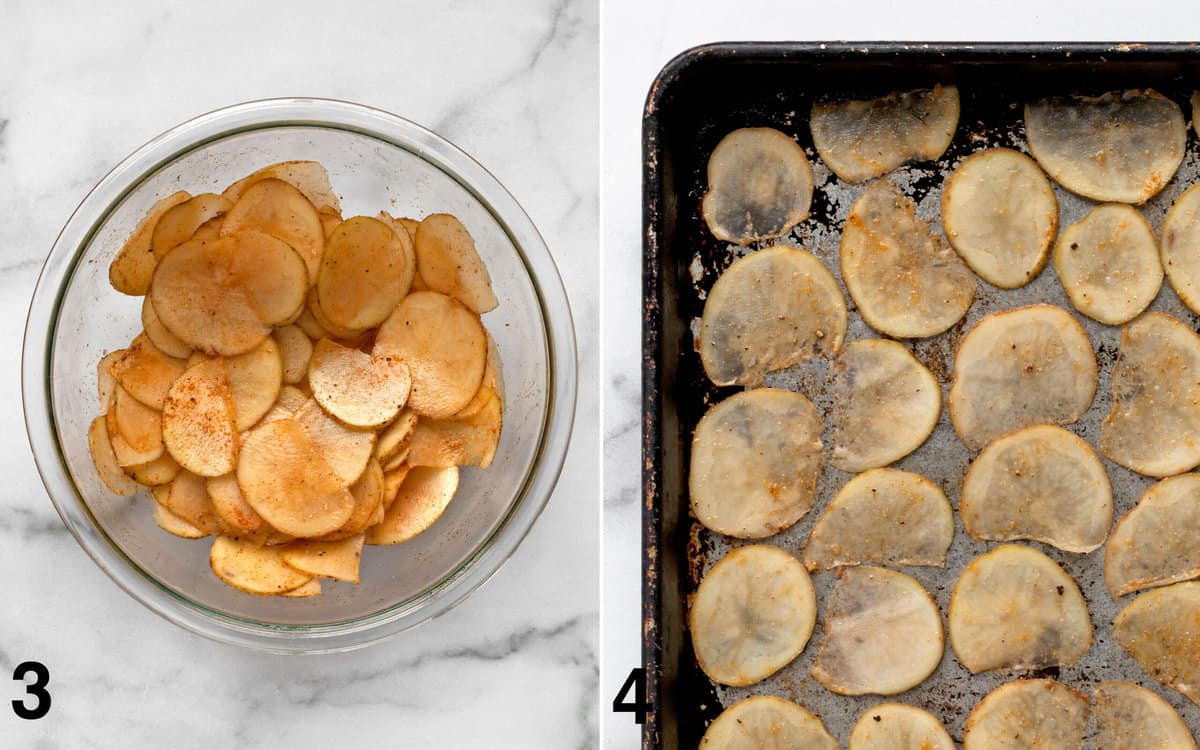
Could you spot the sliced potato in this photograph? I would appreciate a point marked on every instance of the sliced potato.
(187, 497)
(209, 230)
(1025, 714)
(312, 588)
(106, 384)
(166, 342)
(895, 726)
(764, 721)
(1159, 629)
(360, 389)
(252, 568)
(406, 232)
(292, 398)
(347, 451)
(1180, 248)
(337, 560)
(198, 420)
(1154, 544)
(450, 264)
(153, 473)
(392, 436)
(399, 458)
(127, 455)
(492, 384)
(309, 177)
(107, 468)
(138, 424)
(308, 322)
(393, 480)
(275, 207)
(255, 379)
(179, 223)
(173, 524)
(364, 273)
(295, 350)
(1129, 717)
(368, 502)
(422, 497)
(465, 441)
(146, 372)
(272, 275)
(132, 269)
(238, 517)
(760, 185)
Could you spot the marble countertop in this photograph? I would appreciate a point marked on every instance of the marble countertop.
(82, 85)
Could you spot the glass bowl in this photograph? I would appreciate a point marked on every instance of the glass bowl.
(376, 161)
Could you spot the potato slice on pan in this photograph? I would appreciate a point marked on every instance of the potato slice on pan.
(360, 389)
(179, 223)
(145, 372)
(883, 634)
(106, 384)
(347, 451)
(138, 424)
(466, 441)
(450, 264)
(166, 342)
(364, 273)
(255, 379)
(884, 517)
(173, 524)
(153, 473)
(422, 497)
(105, 460)
(368, 502)
(1129, 716)
(295, 350)
(187, 497)
(895, 726)
(1123, 146)
(132, 269)
(1155, 415)
(309, 177)
(1041, 483)
(1021, 367)
(1000, 214)
(1180, 249)
(1108, 264)
(445, 347)
(764, 721)
(238, 517)
(752, 614)
(885, 404)
(338, 560)
(198, 420)
(770, 310)
(310, 589)
(392, 436)
(1159, 630)
(282, 211)
(756, 457)
(1015, 608)
(1154, 544)
(904, 277)
(1025, 714)
(253, 569)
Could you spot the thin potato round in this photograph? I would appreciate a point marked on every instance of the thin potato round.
(173, 524)
(465, 441)
(109, 471)
(308, 322)
(235, 513)
(492, 384)
(126, 454)
(1154, 544)
(760, 185)
(139, 425)
(310, 589)
(1108, 264)
(363, 273)
(362, 390)
(179, 223)
(153, 473)
(309, 177)
(422, 497)
(450, 264)
(1026, 714)
(338, 559)
(209, 230)
(1158, 629)
(255, 379)
(253, 569)
(133, 268)
(145, 372)
(282, 211)
(1180, 248)
(895, 726)
(393, 480)
(392, 436)
(1129, 716)
(272, 275)
(198, 420)
(764, 721)
(106, 384)
(187, 497)
(406, 232)
(368, 502)
(166, 342)
(295, 350)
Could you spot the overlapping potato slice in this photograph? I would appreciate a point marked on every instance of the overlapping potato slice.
(863, 138)
(280, 210)
(364, 273)
(309, 177)
(133, 268)
(422, 497)
(145, 372)
(770, 310)
(1155, 415)
(255, 379)
(109, 471)
(462, 441)
(895, 726)
(252, 568)
(1108, 263)
(272, 275)
(1000, 213)
(347, 451)
(883, 634)
(127, 455)
(904, 277)
(393, 480)
(310, 589)
(1021, 367)
(885, 405)
(153, 473)
(295, 350)
(1025, 714)
(883, 517)
(138, 424)
(1160, 629)
(106, 384)
(393, 437)
(209, 230)
(764, 721)
(1015, 608)
(1122, 146)
(337, 559)
(1180, 248)
(760, 185)
(1041, 483)
(179, 223)
(187, 497)
(1129, 717)
(199, 425)
(237, 517)
(173, 524)
(1154, 544)
(165, 341)
(362, 390)
(756, 457)
(450, 264)
(368, 504)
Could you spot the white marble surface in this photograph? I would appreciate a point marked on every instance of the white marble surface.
(638, 38)
(81, 85)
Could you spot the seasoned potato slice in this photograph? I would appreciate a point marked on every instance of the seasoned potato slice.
(347, 451)
(146, 372)
(1108, 264)
(138, 424)
(462, 441)
(106, 461)
(1154, 544)
(272, 275)
(395, 434)
(209, 230)
(422, 497)
(309, 177)
(179, 223)
(295, 350)
(255, 379)
(308, 322)
(760, 185)
(252, 568)
(132, 269)
(153, 473)
(1042, 714)
(310, 589)
(1129, 716)
(166, 342)
(238, 517)
(492, 384)
(368, 503)
(764, 721)
(199, 420)
(770, 310)
(173, 524)
(450, 264)
(1180, 249)
(1158, 629)
(393, 479)
(292, 398)
(106, 384)
(127, 455)
(282, 211)
(363, 273)
(360, 389)
(895, 726)
(187, 497)
(337, 560)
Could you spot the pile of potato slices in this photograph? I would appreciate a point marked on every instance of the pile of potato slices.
(304, 383)
(1023, 377)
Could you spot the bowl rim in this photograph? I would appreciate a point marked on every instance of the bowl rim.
(126, 177)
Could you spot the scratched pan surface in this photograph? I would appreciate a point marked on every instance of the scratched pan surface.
(699, 98)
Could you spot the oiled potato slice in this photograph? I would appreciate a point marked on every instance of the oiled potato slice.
(107, 468)
(166, 342)
(1108, 263)
(346, 451)
(1180, 248)
(1000, 214)
(1021, 367)
(1123, 146)
(450, 264)
(491, 386)
(282, 211)
(395, 434)
(153, 473)
(1026, 714)
(1158, 629)
(895, 726)
(368, 502)
(422, 497)
(187, 497)
(885, 404)
(884, 517)
(308, 322)
(756, 457)
(752, 614)
(179, 223)
(310, 589)
(1015, 608)
(337, 560)
(462, 441)
(138, 424)
(255, 378)
(760, 185)
(106, 384)
(132, 269)
(863, 138)
(363, 273)
(406, 232)
(309, 177)
(199, 420)
(904, 277)
(295, 350)
(238, 518)
(272, 274)
(445, 347)
(209, 230)
(1129, 717)
(291, 398)
(770, 310)
(883, 634)
(146, 372)
(1041, 483)
(253, 569)
(360, 389)
(173, 524)
(127, 455)
(1155, 415)
(1154, 544)
(393, 479)
(764, 721)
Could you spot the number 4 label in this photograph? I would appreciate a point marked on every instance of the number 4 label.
(36, 702)
(639, 706)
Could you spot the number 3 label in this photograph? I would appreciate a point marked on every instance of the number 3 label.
(36, 702)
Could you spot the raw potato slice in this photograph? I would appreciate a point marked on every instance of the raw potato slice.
(752, 614)
(312, 588)
(1154, 544)
(179, 223)
(132, 269)
(166, 342)
(347, 451)
(308, 322)
(1129, 717)
(272, 275)
(904, 277)
(1018, 368)
(406, 232)
(466, 441)
(309, 177)
(770, 310)
(883, 517)
(422, 497)
(1180, 249)
(138, 424)
(198, 420)
(863, 138)
(126, 455)
(885, 404)
(288, 482)
(1155, 415)
(764, 722)
(399, 459)
(363, 273)
(187, 497)
(255, 379)
(1041, 483)
(153, 473)
(146, 372)
(106, 384)
(282, 211)
(1123, 146)
(1108, 264)
(1159, 629)
(107, 468)
(253, 569)
(392, 436)
(450, 264)
(337, 560)
(368, 502)
(445, 347)
(756, 457)
(1015, 608)
(492, 385)
(359, 389)
(1000, 214)
(209, 230)
(295, 350)
(1026, 714)
(240, 519)
(173, 524)
(760, 185)
(292, 398)
(883, 634)
(895, 726)
(392, 481)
